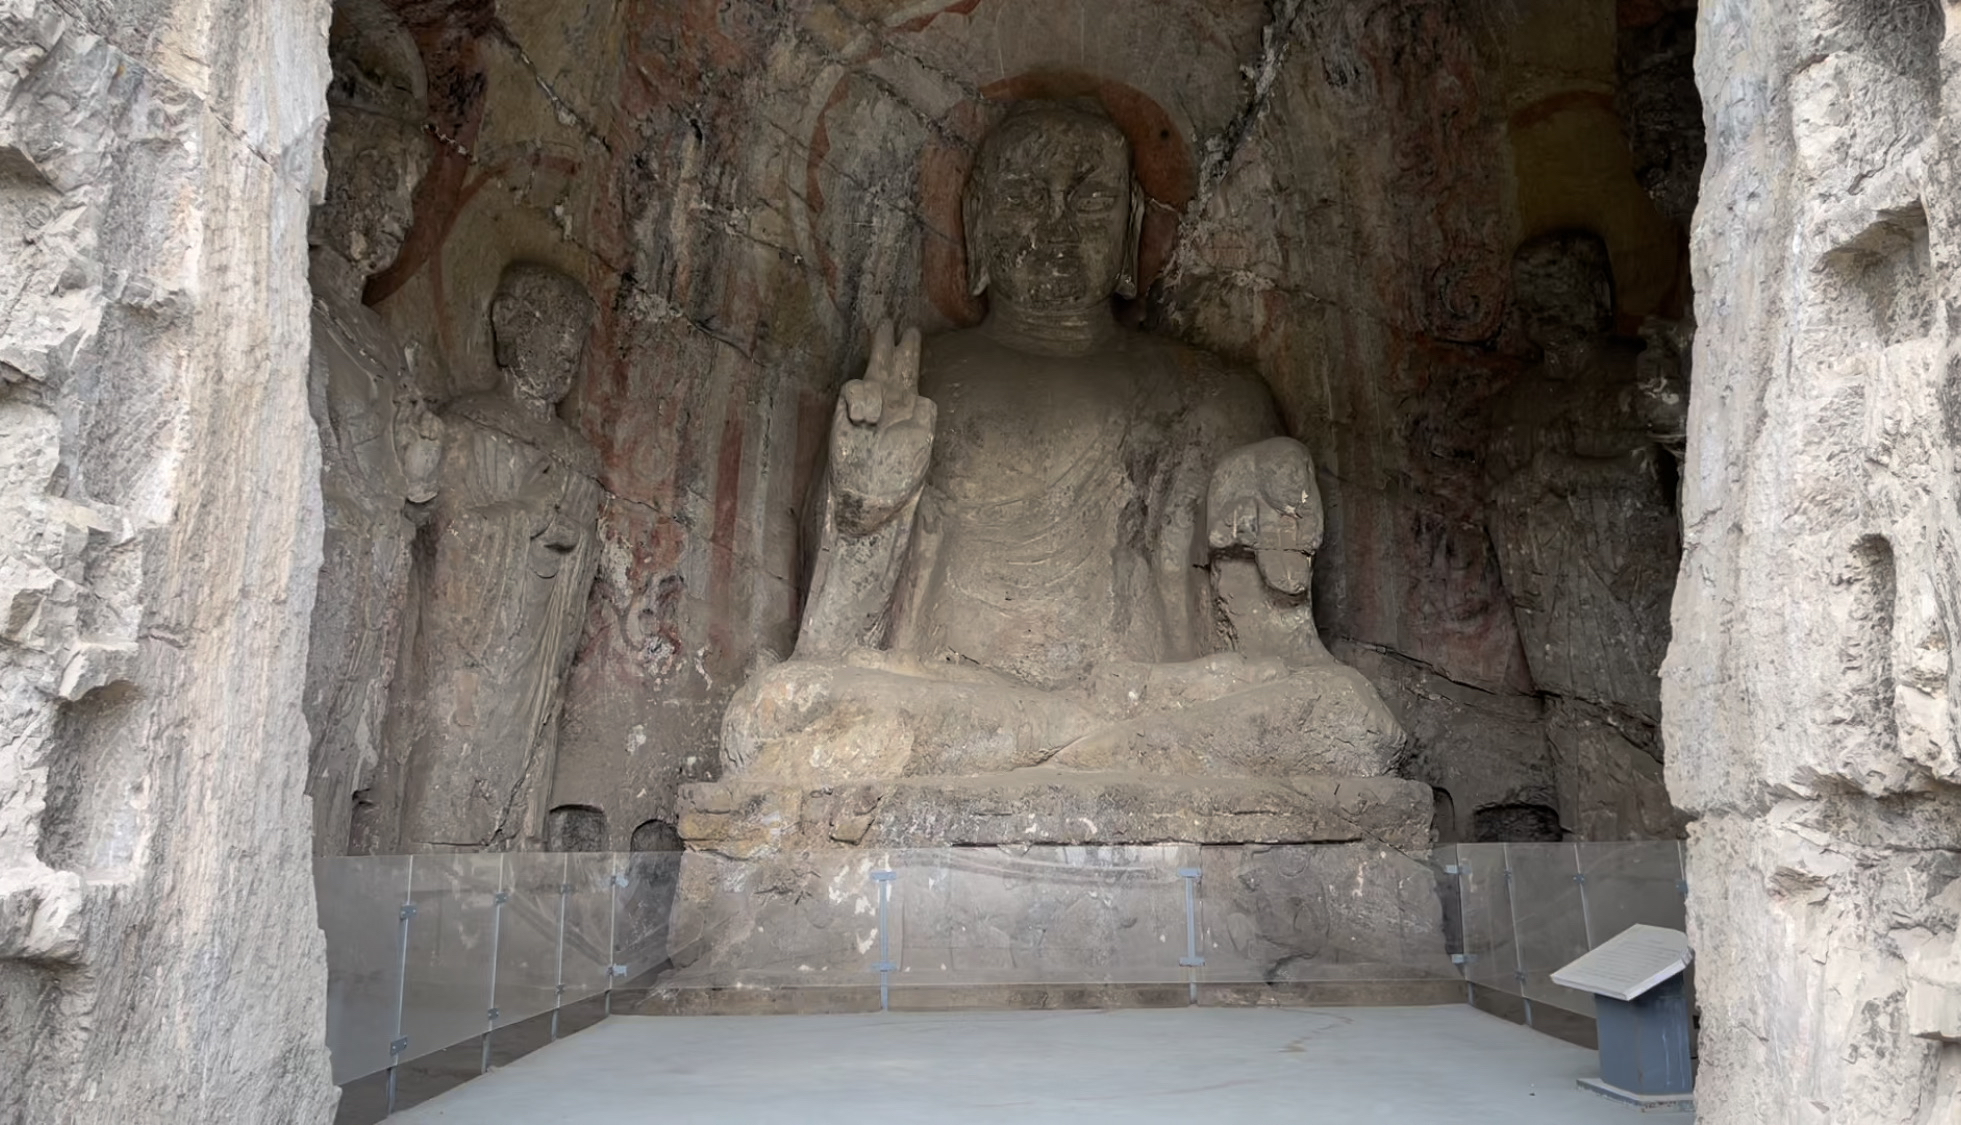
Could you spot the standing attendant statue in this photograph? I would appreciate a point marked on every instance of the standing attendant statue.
(1583, 484)
(379, 447)
(509, 562)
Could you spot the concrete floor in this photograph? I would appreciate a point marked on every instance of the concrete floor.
(1394, 1066)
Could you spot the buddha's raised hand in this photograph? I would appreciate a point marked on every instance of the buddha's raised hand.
(881, 436)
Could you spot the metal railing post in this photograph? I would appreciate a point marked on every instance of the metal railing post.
(884, 965)
(614, 970)
(400, 1044)
(1191, 961)
(558, 986)
(497, 900)
(1586, 913)
(1460, 871)
(1518, 938)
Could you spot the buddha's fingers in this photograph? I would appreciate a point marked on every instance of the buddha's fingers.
(905, 365)
(879, 369)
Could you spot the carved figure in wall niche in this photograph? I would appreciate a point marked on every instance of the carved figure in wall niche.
(508, 561)
(379, 446)
(1054, 541)
(1583, 484)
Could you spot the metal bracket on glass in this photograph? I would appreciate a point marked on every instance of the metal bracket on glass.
(1462, 958)
(1457, 869)
(501, 897)
(1682, 885)
(619, 879)
(1580, 878)
(493, 1014)
(398, 1048)
(616, 970)
(884, 965)
(408, 911)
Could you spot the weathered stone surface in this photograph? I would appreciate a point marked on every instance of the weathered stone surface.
(1047, 806)
(1808, 698)
(160, 499)
(1478, 749)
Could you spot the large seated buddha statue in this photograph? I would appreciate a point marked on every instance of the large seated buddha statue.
(1062, 589)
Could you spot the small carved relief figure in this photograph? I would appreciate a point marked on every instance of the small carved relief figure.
(379, 447)
(1583, 485)
(1052, 540)
(508, 562)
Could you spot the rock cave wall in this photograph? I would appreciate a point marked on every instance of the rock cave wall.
(160, 526)
(1337, 190)
(1810, 694)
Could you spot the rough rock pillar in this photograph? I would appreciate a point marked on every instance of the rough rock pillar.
(1809, 695)
(160, 527)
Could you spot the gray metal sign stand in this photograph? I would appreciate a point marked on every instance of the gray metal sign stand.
(1642, 1011)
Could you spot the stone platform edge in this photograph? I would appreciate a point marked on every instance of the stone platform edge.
(1055, 807)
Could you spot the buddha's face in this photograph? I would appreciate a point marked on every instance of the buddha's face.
(1053, 202)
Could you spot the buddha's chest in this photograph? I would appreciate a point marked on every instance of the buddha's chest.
(1016, 435)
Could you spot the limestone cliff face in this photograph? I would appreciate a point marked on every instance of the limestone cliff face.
(160, 530)
(1810, 694)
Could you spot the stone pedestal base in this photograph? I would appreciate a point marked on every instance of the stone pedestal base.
(1045, 806)
(1003, 921)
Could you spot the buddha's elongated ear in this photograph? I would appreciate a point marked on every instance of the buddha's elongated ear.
(1127, 282)
(971, 218)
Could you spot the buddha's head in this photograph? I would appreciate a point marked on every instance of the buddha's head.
(539, 322)
(1563, 289)
(1052, 215)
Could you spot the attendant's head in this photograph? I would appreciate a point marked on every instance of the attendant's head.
(1053, 217)
(1563, 289)
(539, 322)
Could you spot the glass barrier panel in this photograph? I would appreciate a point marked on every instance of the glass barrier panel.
(1040, 915)
(587, 951)
(1550, 917)
(448, 988)
(527, 937)
(646, 904)
(1320, 912)
(360, 900)
(1491, 955)
(1638, 881)
(807, 920)
(1634, 882)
